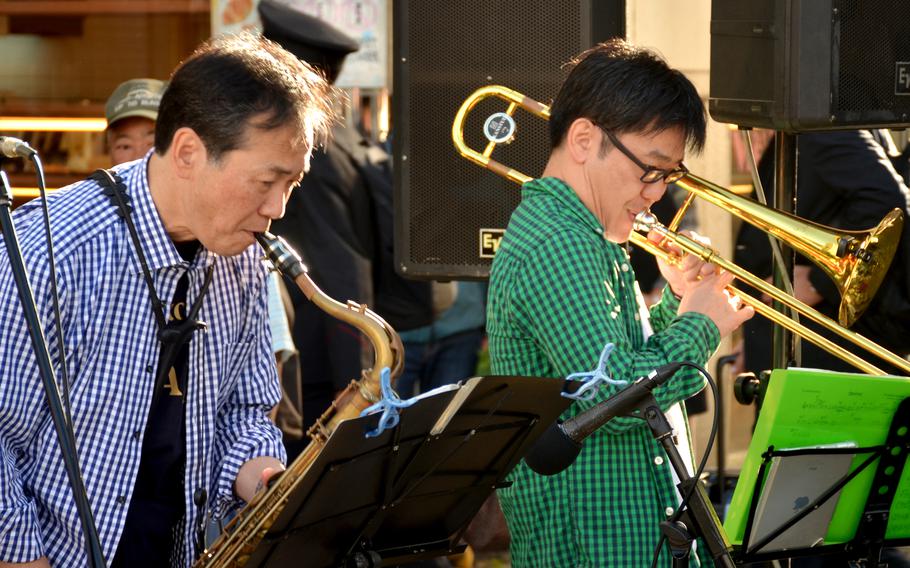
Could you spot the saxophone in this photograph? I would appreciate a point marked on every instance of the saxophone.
(245, 531)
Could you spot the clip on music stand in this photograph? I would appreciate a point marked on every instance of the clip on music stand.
(821, 407)
(409, 493)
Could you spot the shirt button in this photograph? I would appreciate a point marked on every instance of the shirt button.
(669, 511)
(658, 461)
(121, 499)
(624, 267)
(137, 434)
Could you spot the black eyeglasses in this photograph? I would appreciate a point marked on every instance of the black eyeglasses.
(652, 174)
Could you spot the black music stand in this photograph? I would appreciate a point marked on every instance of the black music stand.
(888, 461)
(409, 493)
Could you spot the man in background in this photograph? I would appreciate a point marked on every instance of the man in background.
(340, 220)
(131, 112)
(845, 180)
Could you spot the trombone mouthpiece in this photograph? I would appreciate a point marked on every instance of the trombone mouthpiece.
(644, 221)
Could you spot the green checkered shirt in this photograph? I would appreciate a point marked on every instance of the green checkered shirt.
(559, 291)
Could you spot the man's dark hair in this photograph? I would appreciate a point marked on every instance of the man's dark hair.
(624, 88)
(234, 81)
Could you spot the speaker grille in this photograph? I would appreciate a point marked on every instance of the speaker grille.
(811, 65)
(450, 50)
(874, 35)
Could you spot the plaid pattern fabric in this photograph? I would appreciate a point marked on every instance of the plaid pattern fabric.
(112, 352)
(558, 293)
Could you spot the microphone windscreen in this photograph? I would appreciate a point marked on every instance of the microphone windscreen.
(553, 452)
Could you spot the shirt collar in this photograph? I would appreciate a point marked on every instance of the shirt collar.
(567, 197)
(157, 245)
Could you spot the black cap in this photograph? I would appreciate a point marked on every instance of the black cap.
(315, 41)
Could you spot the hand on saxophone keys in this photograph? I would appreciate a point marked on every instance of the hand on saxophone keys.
(255, 475)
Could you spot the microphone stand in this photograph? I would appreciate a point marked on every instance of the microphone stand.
(699, 518)
(63, 429)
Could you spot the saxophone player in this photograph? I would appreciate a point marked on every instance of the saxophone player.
(164, 318)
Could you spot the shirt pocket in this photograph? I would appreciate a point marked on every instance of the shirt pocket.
(231, 362)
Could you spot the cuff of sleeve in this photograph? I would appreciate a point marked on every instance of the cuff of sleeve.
(284, 355)
(669, 300)
(264, 445)
(20, 535)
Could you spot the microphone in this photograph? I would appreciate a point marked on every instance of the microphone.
(15, 148)
(560, 444)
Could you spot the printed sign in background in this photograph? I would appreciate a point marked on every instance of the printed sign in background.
(364, 20)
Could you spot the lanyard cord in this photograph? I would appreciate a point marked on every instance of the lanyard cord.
(115, 189)
(171, 335)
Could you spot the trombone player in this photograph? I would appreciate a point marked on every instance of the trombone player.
(561, 287)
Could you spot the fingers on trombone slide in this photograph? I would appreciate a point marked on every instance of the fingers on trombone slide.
(733, 299)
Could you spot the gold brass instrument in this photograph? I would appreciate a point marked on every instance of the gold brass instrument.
(244, 533)
(856, 260)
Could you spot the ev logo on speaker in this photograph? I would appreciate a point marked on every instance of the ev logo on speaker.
(902, 78)
(489, 242)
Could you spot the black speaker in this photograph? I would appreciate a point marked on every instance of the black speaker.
(451, 213)
(806, 65)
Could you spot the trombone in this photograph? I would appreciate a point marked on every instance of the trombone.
(856, 260)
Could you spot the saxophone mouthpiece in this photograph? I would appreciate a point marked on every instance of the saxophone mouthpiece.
(285, 259)
(264, 239)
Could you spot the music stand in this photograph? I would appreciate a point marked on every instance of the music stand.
(410, 492)
(805, 408)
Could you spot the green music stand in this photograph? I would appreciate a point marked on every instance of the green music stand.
(806, 408)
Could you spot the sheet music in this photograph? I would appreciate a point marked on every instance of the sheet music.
(446, 416)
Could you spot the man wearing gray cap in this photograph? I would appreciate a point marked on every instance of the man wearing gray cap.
(340, 219)
(131, 112)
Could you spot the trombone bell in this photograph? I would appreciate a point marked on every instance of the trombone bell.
(856, 261)
(869, 265)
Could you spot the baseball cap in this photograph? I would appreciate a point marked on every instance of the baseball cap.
(136, 97)
(315, 41)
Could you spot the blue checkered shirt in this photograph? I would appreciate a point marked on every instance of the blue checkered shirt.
(112, 353)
